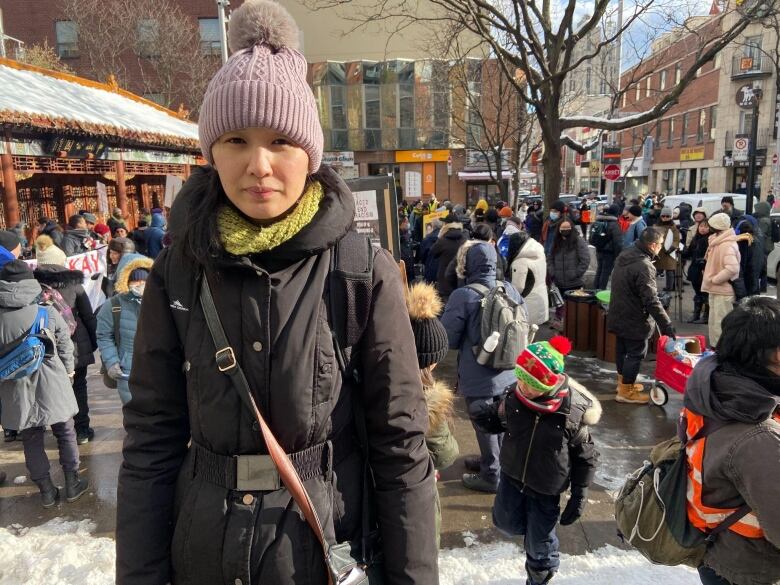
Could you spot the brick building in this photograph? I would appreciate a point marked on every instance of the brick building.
(677, 151)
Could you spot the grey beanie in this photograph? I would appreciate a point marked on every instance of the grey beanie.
(666, 211)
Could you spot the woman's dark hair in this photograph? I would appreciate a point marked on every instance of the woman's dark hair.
(750, 334)
(561, 243)
(193, 217)
(516, 243)
(491, 215)
(482, 232)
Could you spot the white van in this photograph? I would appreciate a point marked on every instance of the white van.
(709, 201)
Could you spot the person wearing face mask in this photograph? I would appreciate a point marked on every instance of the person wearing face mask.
(722, 267)
(550, 227)
(667, 259)
(568, 263)
(316, 319)
(115, 339)
(634, 311)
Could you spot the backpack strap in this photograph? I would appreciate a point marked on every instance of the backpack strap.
(350, 290)
(116, 313)
(481, 289)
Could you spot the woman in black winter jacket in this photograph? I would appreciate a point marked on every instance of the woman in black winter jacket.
(696, 253)
(68, 283)
(199, 500)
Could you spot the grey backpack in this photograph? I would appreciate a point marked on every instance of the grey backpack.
(509, 318)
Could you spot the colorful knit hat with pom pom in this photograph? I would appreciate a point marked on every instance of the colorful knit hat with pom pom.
(263, 84)
(540, 365)
(430, 337)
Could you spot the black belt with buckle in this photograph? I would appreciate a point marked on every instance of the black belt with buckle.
(258, 472)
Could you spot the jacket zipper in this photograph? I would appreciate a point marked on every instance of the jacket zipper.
(528, 453)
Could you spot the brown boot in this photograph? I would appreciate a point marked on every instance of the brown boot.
(619, 383)
(631, 394)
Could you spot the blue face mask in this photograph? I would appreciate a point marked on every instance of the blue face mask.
(554, 215)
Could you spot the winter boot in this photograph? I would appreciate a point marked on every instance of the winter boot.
(705, 316)
(474, 481)
(619, 382)
(49, 492)
(473, 463)
(632, 394)
(74, 487)
(697, 306)
(538, 577)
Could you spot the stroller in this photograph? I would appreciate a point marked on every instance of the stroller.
(671, 372)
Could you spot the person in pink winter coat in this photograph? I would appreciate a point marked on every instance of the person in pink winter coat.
(721, 269)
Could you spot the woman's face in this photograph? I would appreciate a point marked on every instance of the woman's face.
(262, 172)
(565, 228)
(121, 232)
(704, 228)
(114, 256)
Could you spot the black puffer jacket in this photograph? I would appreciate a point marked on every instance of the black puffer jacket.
(69, 285)
(634, 303)
(546, 452)
(451, 237)
(174, 524)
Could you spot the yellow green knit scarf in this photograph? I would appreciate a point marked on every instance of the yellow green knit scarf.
(240, 236)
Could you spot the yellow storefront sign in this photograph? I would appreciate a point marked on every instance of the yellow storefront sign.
(695, 153)
(421, 156)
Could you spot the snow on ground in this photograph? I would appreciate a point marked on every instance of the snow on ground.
(501, 563)
(60, 551)
(65, 553)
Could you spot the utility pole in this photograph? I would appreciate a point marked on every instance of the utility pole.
(610, 185)
(223, 20)
(752, 159)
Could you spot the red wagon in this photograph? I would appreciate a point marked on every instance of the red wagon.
(669, 373)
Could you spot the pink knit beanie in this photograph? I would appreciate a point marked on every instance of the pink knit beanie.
(263, 84)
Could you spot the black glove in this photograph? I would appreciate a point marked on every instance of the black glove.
(486, 416)
(670, 332)
(575, 507)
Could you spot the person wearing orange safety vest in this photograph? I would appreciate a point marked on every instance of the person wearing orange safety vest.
(735, 396)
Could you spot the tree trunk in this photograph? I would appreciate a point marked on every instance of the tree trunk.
(551, 163)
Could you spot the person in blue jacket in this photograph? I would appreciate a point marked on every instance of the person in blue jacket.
(117, 353)
(480, 385)
(155, 235)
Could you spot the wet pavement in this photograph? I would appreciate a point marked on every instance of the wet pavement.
(624, 438)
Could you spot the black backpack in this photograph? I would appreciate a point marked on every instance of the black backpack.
(600, 238)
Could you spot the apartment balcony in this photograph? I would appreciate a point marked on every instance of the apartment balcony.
(750, 66)
(764, 138)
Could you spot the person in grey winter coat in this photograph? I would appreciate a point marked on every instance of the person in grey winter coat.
(738, 389)
(762, 213)
(607, 238)
(77, 240)
(68, 283)
(262, 223)
(44, 398)
(117, 354)
(477, 383)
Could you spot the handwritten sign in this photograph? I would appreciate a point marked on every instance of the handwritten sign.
(93, 265)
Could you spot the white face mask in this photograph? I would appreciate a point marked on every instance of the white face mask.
(138, 289)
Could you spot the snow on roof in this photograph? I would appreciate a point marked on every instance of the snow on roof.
(49, 100)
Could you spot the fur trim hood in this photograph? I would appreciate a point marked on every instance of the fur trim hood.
(449, 226)
(460, 259)
(57, 276)
(745, 238)
(127, 264)
(593, 414)
(439, 399)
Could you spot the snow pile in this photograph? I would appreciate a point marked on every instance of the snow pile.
(502, 563)
(59, 551)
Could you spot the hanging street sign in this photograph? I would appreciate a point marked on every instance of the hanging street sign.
(748, 96)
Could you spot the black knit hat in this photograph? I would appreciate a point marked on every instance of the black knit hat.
(635, 210)
(430, 337)
(16, 271)
(9, 240)
(138, 274)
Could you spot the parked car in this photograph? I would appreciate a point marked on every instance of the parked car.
(709, 201)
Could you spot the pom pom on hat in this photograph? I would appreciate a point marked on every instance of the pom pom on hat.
(561, 344)
(430, 337)
(540, 366)
(423, 302)
(262, 21)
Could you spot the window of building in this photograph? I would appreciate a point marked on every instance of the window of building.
(670, 138)
(647, 87)
(441, 107)
(588, 79)
(657, 141)
(210, 40)
(745, 121)
(603, 86)
(338, 107)
(473, 122)
(662, 80)
(752, 47)
(713, 121)
(406, 106)
(625, 95)
(704, 180)
(571, 83)
(677, 73)
(67, 33)
(684, 130)
(701, 126)
(638, 91)
(372, 113)
(146, 37)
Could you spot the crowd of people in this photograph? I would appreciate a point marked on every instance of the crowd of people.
(37, 275)
(269, 324)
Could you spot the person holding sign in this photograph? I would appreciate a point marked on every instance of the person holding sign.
(272, 332)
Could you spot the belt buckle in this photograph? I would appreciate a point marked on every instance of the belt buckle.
(228, 354)
(256, 473)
